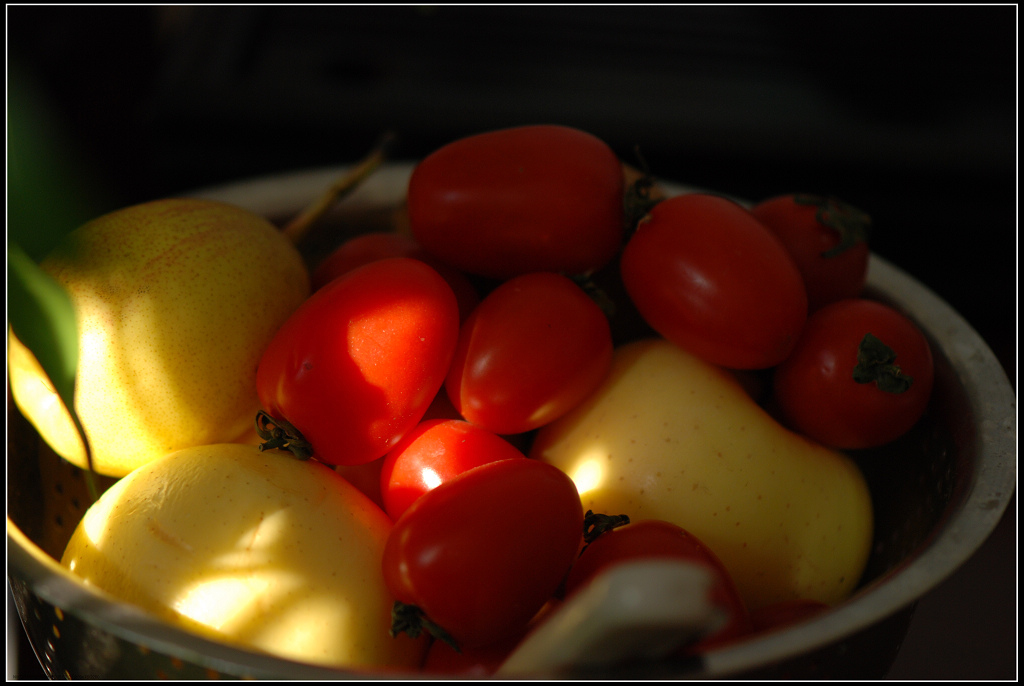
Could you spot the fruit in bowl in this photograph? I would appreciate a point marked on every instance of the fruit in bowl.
(175, 300)
(853, 606)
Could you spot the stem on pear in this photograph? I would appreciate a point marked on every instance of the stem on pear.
(298, 227)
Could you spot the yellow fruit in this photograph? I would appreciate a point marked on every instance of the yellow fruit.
(176, 300)
(669, 436)
(253, 548)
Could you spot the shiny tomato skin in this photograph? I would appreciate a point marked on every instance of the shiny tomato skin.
(706, 275)
(518, 200)
(815, 391)
(657, 539)
(432, 453)
(357, 365)
(827, 277)
(482, 553)
(533, 348)
(370, 247)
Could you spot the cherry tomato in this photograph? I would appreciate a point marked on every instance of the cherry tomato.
(370, 247)
(443, 659)
(482, 553)
(709, 277)
(525, 199)
(365, 477)
(828, 241)
(479, 663)
(860, 377)
(652, 539)
(432, 453)
(785, 613)
(357, 365)
(531, 351)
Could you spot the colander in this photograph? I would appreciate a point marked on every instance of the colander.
(938, 492)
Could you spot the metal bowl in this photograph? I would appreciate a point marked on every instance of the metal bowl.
(938, 492)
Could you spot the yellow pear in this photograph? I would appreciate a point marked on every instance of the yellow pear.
(176, 300)
(670, 436)
(253, 548)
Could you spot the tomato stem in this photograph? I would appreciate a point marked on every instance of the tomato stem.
(875, 363)
(637, 200)
(852, 225)
(595, 292)
(410, 620)
(279, 434)
(596, 524)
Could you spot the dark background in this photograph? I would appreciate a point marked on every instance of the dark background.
(907, 112)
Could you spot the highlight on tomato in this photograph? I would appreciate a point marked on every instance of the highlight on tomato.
(860, 377)
(518, 200)
(709, 277)
(357, 365)
(615, 539)
(476, 558)
(533, 349)
(827, 239)
(433, 453)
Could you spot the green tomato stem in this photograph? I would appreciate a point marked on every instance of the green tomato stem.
(279, 434)
(596, 524)
(410, 620)
(852, 225)
(875, 362)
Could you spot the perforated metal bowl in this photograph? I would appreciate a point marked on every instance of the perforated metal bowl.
(938, 492)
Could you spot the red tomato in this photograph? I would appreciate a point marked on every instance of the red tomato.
(365, 477)
(525, 199)
(370, 247)
(483, 552)
(443, 659)
(653, 539)
(785, 613)
(709, 277)
(432, 453)
(853, 396)
(357, 365)
(533, 349)
(827, 240)
(480, 663)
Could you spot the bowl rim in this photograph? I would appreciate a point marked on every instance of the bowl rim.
(972, 520)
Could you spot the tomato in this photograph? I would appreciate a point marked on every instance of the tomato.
(785, 613)
(370, 247)
(356, 366)
(432, 453)
(828, 241)
(860, 377)
(518, 200)
(443, 659)
(479, 663)
(365, 477)
(652, 539)
(709, 277)
(532, 350)
(482, 553)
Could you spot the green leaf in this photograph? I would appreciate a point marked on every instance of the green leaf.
(51, 189)
(42, 316)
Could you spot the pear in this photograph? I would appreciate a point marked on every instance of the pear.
(257, 549)
(669, 436)
(176, 300)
